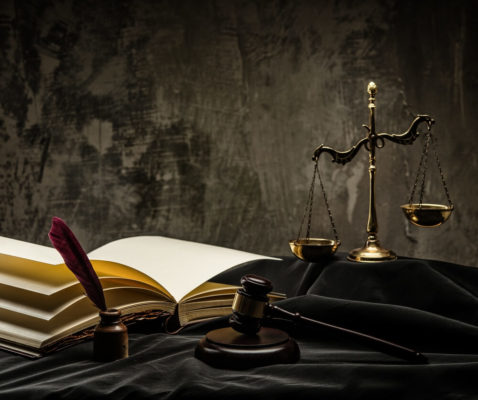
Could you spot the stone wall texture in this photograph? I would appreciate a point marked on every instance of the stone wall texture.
(197, 119)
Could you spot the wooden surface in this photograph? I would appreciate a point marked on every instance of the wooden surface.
(227, 348)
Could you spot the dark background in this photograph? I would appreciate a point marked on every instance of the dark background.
(197, 119)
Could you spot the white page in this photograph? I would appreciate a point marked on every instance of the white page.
(31, 251)
(178, 265)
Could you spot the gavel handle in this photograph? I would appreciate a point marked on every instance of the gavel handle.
(372, 341)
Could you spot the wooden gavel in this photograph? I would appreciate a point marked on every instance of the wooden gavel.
(251, 305)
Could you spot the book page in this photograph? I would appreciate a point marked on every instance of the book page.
(178, 265)
(41, 269)
(31, 276)
(31, 251)
(34, 276)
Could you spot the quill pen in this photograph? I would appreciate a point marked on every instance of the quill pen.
(77, 261)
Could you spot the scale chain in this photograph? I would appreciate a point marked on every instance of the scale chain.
(311, 201)
(421, 166)
(425, 167)
(450, 203)
(327, 204)
(309, 207)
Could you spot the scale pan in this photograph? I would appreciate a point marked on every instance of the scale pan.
(427, 215)
(313, 249)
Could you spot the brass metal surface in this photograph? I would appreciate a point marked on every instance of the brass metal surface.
(313, 249)
(248, 306)
(427, 215)
(371, 252)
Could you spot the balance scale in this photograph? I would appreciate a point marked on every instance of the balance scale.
(420, 214)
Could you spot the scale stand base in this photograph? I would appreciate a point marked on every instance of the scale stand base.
(227, 348)
(371, 252)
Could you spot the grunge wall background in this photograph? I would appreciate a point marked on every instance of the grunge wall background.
(198, 119)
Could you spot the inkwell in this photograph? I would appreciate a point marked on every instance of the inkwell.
(111, 335)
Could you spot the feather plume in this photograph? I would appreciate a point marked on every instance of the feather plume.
(77, 261)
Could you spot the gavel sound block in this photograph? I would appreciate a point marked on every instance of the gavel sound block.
(246, 344)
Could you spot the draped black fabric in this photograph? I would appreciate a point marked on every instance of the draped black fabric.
(427, 305)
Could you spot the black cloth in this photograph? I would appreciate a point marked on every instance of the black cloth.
(427, 305)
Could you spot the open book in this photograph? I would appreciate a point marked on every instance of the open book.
(42, 303)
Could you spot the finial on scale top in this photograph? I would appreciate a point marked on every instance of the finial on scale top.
(372, 89)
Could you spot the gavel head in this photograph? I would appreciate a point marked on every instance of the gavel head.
(249, 304)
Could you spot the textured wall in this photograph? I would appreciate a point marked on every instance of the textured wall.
(197, 119)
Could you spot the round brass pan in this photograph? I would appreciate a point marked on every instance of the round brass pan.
(313, 249)
(427, 215)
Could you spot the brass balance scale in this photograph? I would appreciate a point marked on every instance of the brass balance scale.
(420, 214)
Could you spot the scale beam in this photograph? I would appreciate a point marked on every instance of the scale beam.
(407, 137)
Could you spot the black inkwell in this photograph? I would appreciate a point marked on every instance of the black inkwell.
(111, 337)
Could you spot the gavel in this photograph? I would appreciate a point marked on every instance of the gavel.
(251, 306)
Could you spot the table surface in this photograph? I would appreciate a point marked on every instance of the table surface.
(427, 305)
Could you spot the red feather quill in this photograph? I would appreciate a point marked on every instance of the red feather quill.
(77, 261)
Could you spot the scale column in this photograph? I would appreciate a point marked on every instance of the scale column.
(372, 224)
(372, 251)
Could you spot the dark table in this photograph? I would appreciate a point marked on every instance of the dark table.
(427, 305)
